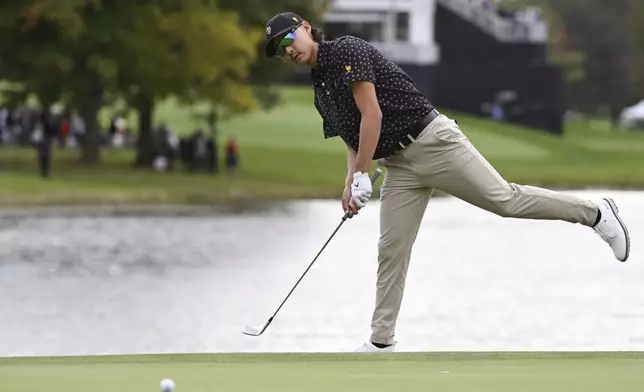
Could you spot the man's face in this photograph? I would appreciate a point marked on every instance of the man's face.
(297, 46)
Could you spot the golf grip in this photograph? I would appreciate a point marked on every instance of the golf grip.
(374, 178)
(375, 175)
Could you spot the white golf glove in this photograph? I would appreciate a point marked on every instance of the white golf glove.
(361, 189)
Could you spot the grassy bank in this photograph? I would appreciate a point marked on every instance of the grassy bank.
(283, 155)
(482, 372)
(267, 174)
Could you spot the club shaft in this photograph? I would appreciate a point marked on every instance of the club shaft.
(308, 268)
(374, 177)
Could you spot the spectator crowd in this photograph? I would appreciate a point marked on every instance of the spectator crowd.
(197, 152)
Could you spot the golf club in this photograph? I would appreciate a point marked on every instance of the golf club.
(254, 331)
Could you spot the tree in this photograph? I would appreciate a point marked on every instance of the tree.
(77, 51)
(597, 29)
(560, 51)
(590, 39)
(636, 28)
(50, 50)
(186, 50)
(254, 14)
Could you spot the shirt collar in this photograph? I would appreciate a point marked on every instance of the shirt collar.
(324, 54)
(325, 60)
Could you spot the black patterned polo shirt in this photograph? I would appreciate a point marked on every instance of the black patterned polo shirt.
(349, 59)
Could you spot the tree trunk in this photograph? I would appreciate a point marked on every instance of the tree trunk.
(614, 115)
(145, 141)
(89, 112)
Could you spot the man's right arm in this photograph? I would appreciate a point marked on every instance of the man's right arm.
(351, 163)
(347, 206)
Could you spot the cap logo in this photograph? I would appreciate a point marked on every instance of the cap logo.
(295, 19)
(348, 68)
(268, 30)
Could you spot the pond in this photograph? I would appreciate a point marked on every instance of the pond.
(81, 282)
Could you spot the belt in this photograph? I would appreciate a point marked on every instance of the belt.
(416, 129)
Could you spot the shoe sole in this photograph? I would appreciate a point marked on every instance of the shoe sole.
(613, 207)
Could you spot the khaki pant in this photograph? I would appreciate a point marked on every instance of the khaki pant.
(443, 158)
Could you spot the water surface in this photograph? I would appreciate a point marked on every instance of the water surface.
(78, 283)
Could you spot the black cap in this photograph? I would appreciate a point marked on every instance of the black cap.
(277, 27)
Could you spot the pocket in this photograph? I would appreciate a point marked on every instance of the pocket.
(448, 132)
(383, 161)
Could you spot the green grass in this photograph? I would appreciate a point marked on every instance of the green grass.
(269, 174)
(284, 155)
(480, 372)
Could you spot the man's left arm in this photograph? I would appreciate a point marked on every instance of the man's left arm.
(355, 56)
(364, 94)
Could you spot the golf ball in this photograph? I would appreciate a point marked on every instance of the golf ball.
(167, 385)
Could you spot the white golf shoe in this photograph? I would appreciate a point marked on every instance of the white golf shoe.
(368, 347)
(612, 230)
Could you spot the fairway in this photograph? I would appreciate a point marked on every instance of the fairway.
(481, 372)
(283, 155)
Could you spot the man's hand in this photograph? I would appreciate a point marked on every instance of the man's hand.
(347, 204)
(361, 189)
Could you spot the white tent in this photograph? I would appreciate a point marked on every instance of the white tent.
(633, 117)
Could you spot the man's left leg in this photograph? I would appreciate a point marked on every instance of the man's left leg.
(463, 172)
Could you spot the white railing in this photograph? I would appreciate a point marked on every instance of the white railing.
(408, 53)
(525, 26)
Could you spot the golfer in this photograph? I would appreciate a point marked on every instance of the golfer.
(376, 109)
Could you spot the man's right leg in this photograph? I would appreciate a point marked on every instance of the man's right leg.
(403, 203)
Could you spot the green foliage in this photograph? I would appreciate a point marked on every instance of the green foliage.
(596, 42)
(598, 29)
(636, 26)
(79, 52)
(255, 14)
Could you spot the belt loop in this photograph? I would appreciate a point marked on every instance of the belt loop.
(410, 137)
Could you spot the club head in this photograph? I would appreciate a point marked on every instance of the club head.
(250, 331)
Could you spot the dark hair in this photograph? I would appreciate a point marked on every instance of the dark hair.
(317, 34)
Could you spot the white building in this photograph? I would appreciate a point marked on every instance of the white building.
(402, 29)
(462, 54)
(405, 29)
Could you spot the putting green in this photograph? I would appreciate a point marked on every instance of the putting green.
(480, 372)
